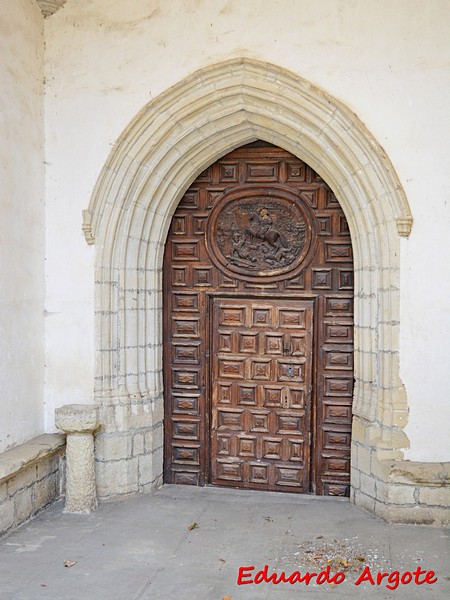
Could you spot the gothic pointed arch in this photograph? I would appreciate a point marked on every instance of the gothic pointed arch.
(166, 146)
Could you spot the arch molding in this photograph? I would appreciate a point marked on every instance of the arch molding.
(166, 146)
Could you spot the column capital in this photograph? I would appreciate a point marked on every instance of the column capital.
(77, 418)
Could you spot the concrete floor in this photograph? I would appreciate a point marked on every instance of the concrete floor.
(141, 548)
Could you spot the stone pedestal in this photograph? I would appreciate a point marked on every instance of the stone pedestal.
(79, 421)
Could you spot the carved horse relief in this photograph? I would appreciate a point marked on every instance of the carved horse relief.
(259, 236)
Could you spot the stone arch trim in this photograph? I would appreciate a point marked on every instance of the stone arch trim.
(168, 144)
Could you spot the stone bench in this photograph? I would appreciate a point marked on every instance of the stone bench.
(31, 478)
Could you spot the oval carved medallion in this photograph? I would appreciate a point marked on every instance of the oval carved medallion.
(262, 233)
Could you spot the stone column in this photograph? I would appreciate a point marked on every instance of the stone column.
(79, 421)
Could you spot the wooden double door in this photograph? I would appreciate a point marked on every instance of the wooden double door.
(258, 346)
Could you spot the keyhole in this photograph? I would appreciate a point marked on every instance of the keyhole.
(291, 372)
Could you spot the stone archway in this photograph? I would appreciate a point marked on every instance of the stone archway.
(169, 143)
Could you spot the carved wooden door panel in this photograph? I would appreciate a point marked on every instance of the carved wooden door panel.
(261, 392)
(258, 239)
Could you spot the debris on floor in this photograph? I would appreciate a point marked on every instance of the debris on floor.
(70, 563)
(348, 555)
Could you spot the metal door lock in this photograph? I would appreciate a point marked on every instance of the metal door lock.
(286, 397)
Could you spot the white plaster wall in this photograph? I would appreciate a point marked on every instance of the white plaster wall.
(388, 61)
(21, 222)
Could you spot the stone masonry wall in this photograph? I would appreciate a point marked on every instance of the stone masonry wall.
(31, 478)
(399, 491)
(129, 461)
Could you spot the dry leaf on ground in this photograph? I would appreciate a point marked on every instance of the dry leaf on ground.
(70, 563)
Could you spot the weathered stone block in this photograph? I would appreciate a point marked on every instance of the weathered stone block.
(141, 420)
(45, 491)
(364, 459)
(6, 515)
(146, 474)
(138, 444)
(355, 478)
(364, 501)
(3, 492)
(147, 488)
(158, 459)
(158, 410)
(107, 417)
(148, 438)
(23, 479)
(117, 477)
(121, 418)
(50, 465)
(112, 447)
(357, 431)
(411, 515)
(159, 481)
(368, 485)
(401, 494)
(381, 510)
(23, 505)
(372, 436)
(421, 473)
(73, 418)
(158, 436)
(62, 477)
(400, 419)
(382, 491)
(388, 454)
(354, 454)
(435, 496)
(399, 439)
(379, 469)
